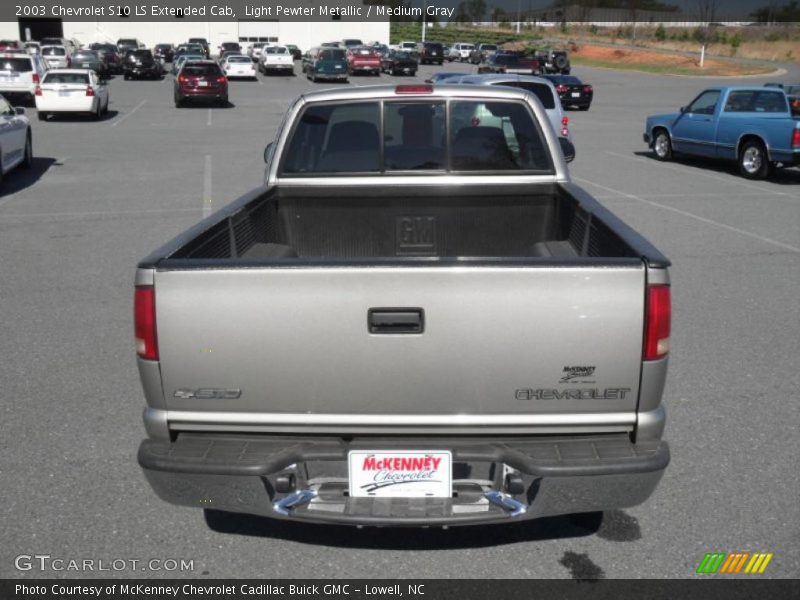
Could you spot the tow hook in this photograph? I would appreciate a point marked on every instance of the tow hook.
(504, 501)
(284, 505)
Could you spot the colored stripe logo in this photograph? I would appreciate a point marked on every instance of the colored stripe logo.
(734, 563)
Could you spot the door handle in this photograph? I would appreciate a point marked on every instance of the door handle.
(395, 320)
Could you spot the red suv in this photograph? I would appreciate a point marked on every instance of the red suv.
(201, 80)
(361, 59)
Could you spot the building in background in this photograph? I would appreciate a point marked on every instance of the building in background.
(177, 30)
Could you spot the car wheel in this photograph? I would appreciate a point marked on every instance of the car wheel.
(98, 112)
(662, 145)
(753, 160)
(126, 77)
(42, 116)
(583, 108)
(223, 102)
(27, 161)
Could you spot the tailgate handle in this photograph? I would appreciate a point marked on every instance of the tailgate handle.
(396, 320)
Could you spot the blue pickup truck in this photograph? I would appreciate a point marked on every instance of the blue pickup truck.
(751, 125)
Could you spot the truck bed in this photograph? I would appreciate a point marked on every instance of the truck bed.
(362, 224)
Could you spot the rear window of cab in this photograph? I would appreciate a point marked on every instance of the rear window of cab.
(417, 136)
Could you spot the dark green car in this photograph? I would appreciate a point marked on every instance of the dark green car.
(325, 63)
(89, 59)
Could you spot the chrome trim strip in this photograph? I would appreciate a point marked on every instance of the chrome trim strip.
(285, 505)
(514, 507)
(179, 418)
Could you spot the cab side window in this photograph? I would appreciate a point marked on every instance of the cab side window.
(705, 104)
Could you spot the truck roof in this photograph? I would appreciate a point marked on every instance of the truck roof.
(416, 91)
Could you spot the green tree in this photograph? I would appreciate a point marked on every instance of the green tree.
(661, 33)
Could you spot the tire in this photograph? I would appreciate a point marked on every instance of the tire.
(27, 161)
(98, 113)
(560, 62)
(583, 108)
(662, 145)
(42, 116)
(126, 77)
(753, 160)
(224, 102)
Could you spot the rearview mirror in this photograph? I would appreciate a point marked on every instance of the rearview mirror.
(268, 152)
(567, 149)
(20, 110)
(682, 109)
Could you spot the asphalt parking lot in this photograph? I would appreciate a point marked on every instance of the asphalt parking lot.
(101, 195)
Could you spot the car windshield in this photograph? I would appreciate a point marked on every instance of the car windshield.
(362, 51)
(85, 56)
(489, 47)
(198, 70)
(402, 55)
(230, 46)
(76, 78)
(505, 59)
(332, 55)
(127, 43)
(277, 50)
(54, 51)
(21, 65)
(239, 59)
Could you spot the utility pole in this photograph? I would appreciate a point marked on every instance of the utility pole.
(519, 14)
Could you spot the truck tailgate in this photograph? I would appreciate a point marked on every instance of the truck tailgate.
(509, 346)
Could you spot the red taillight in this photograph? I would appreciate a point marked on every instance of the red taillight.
(221, 80)
(35, 78)
(144, 322)
(38, 91)
(565, 121)
(657, 322)
(796, 138)
(587, 89)
(90, 91)
(561, 88)
(413, 89)
(183, 79)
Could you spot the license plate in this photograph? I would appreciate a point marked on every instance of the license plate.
(576, 94)
(401, 474)
(63, 93)
(339, 67)
(202, 84)
(407, 70)
(86, 65)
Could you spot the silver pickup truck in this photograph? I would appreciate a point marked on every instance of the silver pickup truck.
(418, 320)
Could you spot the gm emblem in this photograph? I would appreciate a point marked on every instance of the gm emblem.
(415, 235)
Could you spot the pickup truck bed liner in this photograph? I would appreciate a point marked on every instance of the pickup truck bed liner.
(275, 226)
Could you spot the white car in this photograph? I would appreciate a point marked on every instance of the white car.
(20, 73)
(276, 58)
(254, 51)
(460, 52)
(71, 91)
(542, 88)
(239, 66)
(15, 138)
(56, 57)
